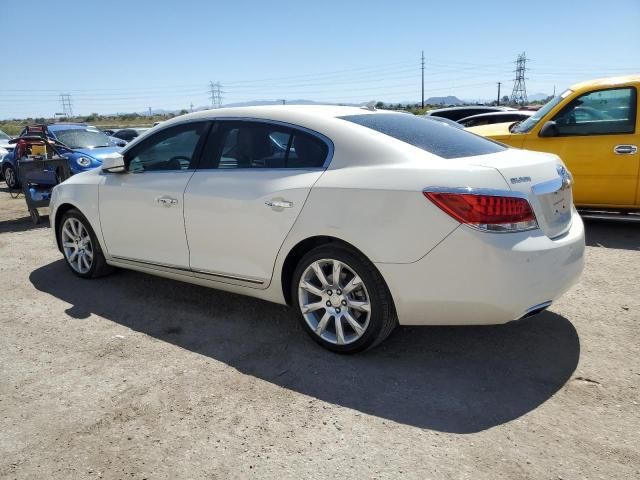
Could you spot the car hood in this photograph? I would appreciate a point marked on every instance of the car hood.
(492, 130)
(97, 153)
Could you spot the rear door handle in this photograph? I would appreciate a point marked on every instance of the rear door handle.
(625, 149)
(279, 204)
(166, 201)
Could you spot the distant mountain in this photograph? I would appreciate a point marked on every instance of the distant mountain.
(448, 100)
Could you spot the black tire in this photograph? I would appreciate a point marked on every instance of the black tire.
(99, 266)
(10, 177)
(35, 215)
(382, 320)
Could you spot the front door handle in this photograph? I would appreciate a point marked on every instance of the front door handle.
(279, 204)
(167, 201)
(625, 149)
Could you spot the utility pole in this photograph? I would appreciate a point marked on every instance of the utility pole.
(422, 68)
(65, 98)
(216, 94)
(499, 83)
(284, 101)
(149, 111)
(191, 107)
(519, 93)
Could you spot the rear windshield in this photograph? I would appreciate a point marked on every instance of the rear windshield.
(429, 135)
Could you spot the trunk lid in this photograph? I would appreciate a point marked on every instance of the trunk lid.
(543, 179)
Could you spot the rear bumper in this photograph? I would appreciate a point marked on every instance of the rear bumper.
(478, 278)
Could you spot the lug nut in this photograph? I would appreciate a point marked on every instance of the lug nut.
(328, 303)
(338, 310)
(329, 292)
(339, 292)
(344, 302)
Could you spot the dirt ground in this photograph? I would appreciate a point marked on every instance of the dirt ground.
(133, 376)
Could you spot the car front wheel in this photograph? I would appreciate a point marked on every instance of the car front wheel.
(80, 246)
(10, 177)
(342, 299)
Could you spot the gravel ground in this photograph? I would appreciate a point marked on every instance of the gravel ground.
(133, 376)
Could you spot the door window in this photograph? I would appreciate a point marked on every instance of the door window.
(265, 145)
(603, 112)
(175, 148)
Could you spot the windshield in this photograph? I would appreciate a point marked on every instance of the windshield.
(83, 138)
(4, 136)
(532, 121)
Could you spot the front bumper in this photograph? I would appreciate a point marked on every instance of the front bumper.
(479, 278)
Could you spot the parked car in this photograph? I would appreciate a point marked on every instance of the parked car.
(128, 134)
(4, 141)
(358, 218)
(594, 126)
(457, 113)
(495, 117)
(446, 121)
(83, 145)
(3, 152)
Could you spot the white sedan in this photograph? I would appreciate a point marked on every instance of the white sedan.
(359, 218)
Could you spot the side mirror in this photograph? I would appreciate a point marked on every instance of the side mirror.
(114, 162)
(549, 129)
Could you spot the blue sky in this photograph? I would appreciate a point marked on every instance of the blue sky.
(122, 56)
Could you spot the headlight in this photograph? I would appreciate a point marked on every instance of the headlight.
(83, 161)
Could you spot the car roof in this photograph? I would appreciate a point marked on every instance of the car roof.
(526, 113)
(54, 127)
(472, 107)
(606, 82)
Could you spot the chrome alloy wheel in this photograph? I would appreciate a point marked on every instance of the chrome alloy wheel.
(10, 177)
(77, 246)
(334, 301)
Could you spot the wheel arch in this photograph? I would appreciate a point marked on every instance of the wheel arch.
(300, 249)
(60, 211)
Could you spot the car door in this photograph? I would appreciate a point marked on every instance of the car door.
(596, 136)
(245, 197)
(141, 211)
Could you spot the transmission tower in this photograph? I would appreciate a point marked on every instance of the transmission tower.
(216, 94)
(65, 98)
(519, 93)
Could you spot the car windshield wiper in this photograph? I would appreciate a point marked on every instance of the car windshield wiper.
(514, 125)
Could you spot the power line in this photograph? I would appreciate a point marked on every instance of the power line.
(216, 94)
(519, 93)
(422, 68)
(65, 98)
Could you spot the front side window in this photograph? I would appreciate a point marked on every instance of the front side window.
(174, 148)
(265, 145)
(434, 137)
(603, 112)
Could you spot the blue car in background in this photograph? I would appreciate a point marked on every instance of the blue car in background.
(82, 145)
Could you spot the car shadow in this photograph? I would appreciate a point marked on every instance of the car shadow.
(450, 379)
(613, 233)
(23, 224)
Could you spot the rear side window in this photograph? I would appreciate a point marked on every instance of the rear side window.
(434, 137)
(265, 145)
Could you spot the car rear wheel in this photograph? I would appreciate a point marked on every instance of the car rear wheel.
(10, 177)
(80, 246)
(342, 299)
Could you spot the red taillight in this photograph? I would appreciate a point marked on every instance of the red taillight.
(487, 212)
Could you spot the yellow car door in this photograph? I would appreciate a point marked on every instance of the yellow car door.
(597, 136)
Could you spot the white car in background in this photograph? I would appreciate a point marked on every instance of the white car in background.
(358, 218)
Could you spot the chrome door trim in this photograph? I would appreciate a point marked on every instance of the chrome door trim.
(178, 269)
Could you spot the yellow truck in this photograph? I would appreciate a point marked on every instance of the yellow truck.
(594, 127)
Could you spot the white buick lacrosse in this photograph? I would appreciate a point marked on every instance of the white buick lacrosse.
(358, 218)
